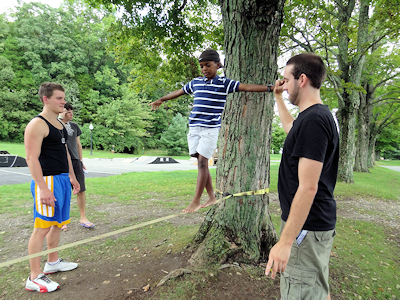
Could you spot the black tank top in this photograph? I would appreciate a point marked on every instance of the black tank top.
(53, 155)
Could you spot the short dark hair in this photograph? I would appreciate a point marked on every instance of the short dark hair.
(68, 106)
(209, 55)
(47, 89)
(311, 65)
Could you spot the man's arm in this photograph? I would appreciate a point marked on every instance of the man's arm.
(255, 88)
(79, 147)
(75, 184)
(35, 132)
(175, 94)
(309, 173)
(284, 114)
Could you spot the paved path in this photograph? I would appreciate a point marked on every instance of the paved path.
(393, 168)
(102, 167)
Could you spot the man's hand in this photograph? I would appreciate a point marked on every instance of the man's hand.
(278, 258)
(75, 185)
(47, 197)
(156, 104)
(278, 88)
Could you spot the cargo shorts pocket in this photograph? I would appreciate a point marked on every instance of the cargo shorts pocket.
(298, 284)
(323, 236)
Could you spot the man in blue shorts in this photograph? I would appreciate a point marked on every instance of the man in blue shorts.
(307, 178)
(210, 94)
(52, 175)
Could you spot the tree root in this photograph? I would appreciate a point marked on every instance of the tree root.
(180, 272)
(174, 274)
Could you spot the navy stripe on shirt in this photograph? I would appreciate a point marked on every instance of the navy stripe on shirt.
(209, 99)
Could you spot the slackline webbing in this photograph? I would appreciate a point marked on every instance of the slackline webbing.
(108, 234)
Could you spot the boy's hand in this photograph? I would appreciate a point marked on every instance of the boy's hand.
(156, 104)
(278, 89)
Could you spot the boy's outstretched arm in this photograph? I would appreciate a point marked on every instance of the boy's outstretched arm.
(255, 88)
(175, 94)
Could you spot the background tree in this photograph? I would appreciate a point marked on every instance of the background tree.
(379, 104)
(174, 139)
(388, 144)
(342, 32)
(121, 123)
(71, 48)
(278, 136)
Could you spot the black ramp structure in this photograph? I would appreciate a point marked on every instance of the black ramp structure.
(164, 160)
(156, 160)
(9, 160)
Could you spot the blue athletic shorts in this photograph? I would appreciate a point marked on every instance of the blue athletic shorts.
(45, 216)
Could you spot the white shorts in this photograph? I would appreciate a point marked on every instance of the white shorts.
(202, 140)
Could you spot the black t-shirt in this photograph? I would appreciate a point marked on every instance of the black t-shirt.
(314, 135)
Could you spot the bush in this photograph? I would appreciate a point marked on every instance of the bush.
(174, 139)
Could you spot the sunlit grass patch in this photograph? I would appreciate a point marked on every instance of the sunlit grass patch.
(365, 261)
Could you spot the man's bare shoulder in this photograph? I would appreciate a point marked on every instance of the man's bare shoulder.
(37, 127)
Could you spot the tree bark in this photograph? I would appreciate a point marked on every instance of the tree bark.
(347, 123)
(363, 125)
(351, 73)
(240, 228)
(371, 152)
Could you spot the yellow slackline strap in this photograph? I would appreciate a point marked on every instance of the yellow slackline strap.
(91, 239)
(108, 234)
(227, 195)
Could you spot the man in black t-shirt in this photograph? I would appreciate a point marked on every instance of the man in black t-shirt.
(307, 178)
(75, 150)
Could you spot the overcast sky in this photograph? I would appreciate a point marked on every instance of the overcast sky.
(9, 4)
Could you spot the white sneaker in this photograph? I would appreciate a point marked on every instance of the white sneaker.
(41, 284)
(62, 266)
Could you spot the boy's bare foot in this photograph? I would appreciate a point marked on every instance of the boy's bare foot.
(64, 228)
(193, 207)
(209, 203)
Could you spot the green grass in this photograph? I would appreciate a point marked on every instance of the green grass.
(366, 261)
(395, 163)
(365, 264)
(381, 183)
(19, 149)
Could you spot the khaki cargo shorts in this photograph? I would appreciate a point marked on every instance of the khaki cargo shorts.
(307, 272)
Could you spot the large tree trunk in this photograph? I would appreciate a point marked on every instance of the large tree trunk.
(347, 124)
(363, 125)
(351, 73)
(240, 228)
(371, 151)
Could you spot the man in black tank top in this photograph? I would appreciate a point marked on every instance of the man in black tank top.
(52, 176)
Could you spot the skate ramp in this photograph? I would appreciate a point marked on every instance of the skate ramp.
(156, 160)
(9, 160)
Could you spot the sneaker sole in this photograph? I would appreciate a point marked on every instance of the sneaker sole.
(46, 273)
(42, 290)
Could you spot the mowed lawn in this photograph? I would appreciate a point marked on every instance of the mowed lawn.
(365, 260)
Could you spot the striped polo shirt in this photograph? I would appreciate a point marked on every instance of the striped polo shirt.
(209, 99)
